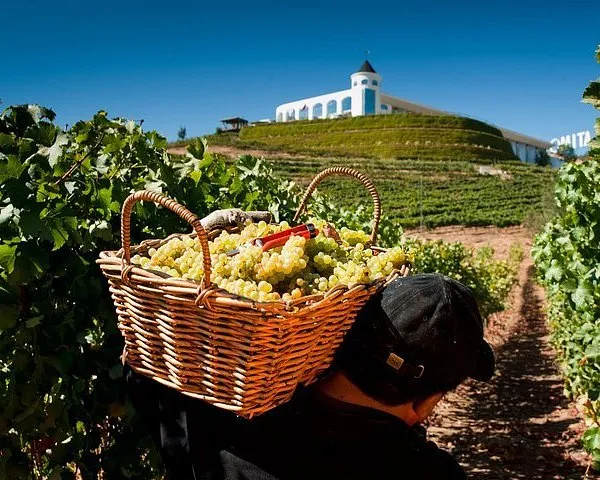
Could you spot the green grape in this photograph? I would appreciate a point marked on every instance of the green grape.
(298, 268)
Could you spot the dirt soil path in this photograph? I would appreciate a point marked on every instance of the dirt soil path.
(232, 151)
(518, 426)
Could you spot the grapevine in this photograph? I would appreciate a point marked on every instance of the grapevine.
(566, 254)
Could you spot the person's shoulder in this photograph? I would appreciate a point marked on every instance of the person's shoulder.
(236, 468)
(429, 465)
(431, 462)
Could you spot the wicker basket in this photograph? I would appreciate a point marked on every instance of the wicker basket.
(230, 351)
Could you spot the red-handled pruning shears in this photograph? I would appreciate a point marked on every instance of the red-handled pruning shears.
(306, 230)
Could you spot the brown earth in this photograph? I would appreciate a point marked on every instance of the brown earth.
(519, 425)
(232, 151)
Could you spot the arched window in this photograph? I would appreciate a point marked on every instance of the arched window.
(318, 110)
(364, 82)
(291, 115)
(280, 117)
(375, 82)
(303, 113)
(346, 104)
(331, 107)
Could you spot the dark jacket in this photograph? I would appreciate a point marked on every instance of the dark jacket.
(311, 437)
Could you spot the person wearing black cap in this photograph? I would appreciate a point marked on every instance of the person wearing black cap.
(418, 339)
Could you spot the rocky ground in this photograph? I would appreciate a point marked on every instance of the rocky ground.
(518, 426)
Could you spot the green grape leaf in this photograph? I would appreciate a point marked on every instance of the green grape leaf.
(32, 227)
(59, 236)
(43, 133)
(8, 317)
(553, 273)
(581, 296)
(591, 439)
(196, 149)
(55, 151)
(12, 168)
(34, 321)
(7, 257)
(38, 112)
(6, 213)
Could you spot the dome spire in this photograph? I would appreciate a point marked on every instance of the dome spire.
(366, 67)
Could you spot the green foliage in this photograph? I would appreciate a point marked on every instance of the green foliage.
(591, 442)
(383, 136)
(566, 255)
(182, 132)
(566, 152)
(542, 159)
(490, 279)
(61, 393)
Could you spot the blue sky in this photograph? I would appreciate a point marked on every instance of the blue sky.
(520, 65)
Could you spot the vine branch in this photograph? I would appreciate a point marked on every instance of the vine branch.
(76, 165)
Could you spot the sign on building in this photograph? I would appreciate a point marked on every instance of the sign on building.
(576, 140)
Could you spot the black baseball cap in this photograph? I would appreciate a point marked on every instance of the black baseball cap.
(426, 329)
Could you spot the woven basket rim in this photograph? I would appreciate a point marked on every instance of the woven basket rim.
(114, 259)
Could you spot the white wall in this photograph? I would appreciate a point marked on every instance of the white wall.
(311, 102)
(356, 93)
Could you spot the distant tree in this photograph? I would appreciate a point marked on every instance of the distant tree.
(181, 133)
(542, 158)
(566, 152)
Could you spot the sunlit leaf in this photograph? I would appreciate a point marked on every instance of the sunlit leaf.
(55, 151)
(7, 257)
(10, 167)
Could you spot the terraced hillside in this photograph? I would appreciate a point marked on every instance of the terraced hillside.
(429, 170)
(397, 136)
(435, 192)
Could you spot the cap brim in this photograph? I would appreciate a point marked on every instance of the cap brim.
(484, 364)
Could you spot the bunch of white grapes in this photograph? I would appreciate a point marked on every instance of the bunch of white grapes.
(297, 269)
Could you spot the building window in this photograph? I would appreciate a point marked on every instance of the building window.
(375, 82)
(291, 115)
(369, 101)
(303, 112)
(384, 107)
(331, 107)
(355, 83)
(346, 104)
(364, 82)
(318, 110)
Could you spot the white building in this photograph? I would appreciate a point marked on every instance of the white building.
(364, 97)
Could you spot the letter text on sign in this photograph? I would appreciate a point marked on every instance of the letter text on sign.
(576, 140)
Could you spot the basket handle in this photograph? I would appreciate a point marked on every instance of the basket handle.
(145, 195)
(350, 172)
